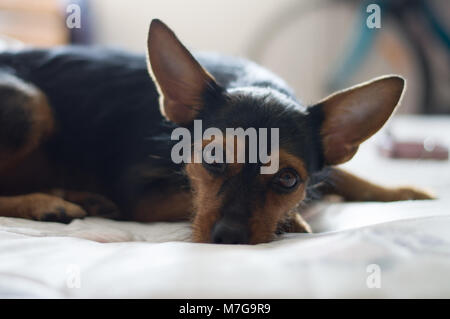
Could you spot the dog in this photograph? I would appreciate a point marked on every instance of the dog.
(88, 132)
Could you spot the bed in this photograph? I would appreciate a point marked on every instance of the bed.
(358, 250)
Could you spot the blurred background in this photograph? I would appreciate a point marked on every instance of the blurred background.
(317, 46)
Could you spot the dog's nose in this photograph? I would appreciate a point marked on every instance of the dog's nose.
(227, 233)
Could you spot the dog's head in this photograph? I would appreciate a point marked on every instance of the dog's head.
(234, 202)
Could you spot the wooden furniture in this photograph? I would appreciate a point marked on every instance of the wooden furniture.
(39, 23)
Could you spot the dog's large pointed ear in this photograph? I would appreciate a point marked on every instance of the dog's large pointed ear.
(182, 83)
(351, 116)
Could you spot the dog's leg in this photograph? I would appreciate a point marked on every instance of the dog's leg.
(93, 204)
(294, 223)
(167, 205)
(26, 119)
(354, 188)
(39, 206)
(58, 205)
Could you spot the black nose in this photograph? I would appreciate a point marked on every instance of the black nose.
(229, 233)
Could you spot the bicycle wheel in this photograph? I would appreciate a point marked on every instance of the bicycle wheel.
(307, 41)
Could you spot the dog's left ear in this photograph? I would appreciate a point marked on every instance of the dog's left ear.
(182, 82)
(351, 116)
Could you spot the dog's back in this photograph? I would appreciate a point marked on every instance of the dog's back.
(106, 117)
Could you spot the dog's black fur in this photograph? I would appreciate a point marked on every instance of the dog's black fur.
(108, 118)
(111, 139)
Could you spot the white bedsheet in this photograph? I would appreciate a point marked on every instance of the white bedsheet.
(408, 242)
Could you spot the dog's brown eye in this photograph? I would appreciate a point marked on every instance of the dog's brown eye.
(286, 180)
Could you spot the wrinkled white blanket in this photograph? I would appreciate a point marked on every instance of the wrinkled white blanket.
(360, 250)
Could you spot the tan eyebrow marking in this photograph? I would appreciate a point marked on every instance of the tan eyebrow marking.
(232, 168)
(288, 160)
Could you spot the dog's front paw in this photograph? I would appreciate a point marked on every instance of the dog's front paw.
(411, 193)
(93, 204)
(97, 205)
(294, 223)
(48, 208)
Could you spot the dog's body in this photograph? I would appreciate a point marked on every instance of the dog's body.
(81, 133)
(108, 136)
(105, 122)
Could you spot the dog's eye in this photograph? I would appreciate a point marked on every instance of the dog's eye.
(286, 180)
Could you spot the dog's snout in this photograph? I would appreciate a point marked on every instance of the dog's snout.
(227, 233)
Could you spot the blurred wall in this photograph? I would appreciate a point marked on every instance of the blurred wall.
(223, 26)
(305, 52)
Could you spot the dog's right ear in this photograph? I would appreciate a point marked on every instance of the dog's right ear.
(351, 116)
(182, 82)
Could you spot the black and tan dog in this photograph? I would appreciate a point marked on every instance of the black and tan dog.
(81, 133)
